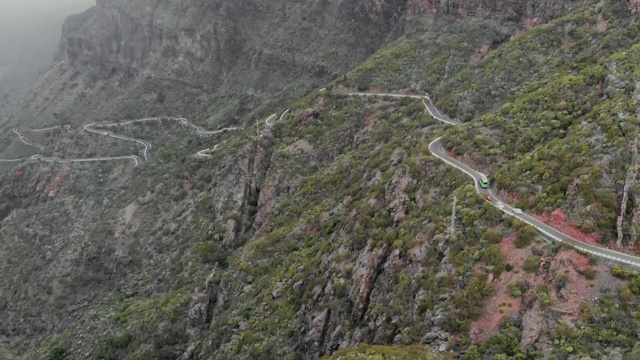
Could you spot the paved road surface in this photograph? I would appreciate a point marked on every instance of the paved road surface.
(269, 119)
(136, 159)
(68, 127)
(25, 140)
(428, 104)
(146, 144)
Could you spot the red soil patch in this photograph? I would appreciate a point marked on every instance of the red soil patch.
(490, 320)
(571, 257)
(531, 22)
(558, 220)
(480, 53)
(463, 159)
(566, 305)
(370, 122)
(515, 256)
(577, 289)
(61, 178)
(40, 186)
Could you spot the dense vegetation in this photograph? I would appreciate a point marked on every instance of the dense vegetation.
(563, 136)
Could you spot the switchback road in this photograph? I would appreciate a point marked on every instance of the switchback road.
(136, 159)
(146, 144)
(25, 140)
(438, 151)
(206, 153)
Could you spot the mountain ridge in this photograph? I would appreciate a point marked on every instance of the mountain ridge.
(327, 230)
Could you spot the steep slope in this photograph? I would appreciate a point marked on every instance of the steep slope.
(330, 230)
(574, 118)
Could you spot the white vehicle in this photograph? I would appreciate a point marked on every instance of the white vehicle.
(499, 205)
(517, 211)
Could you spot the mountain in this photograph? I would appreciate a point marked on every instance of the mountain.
(213, 61)
(331, 230)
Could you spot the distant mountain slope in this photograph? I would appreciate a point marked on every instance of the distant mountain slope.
(214, 60)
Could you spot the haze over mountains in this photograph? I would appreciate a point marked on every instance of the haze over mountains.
(29, 35)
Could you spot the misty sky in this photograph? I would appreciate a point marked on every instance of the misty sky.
(29, 36)
(15, 15)
(22, 8)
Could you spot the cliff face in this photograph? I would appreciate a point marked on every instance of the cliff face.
(236, 54)
(324, 233)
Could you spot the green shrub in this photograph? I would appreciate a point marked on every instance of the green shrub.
(493, 236)
(518, 288)
(508, 267)
(493, 256)
(120, 342)
(590, 273)
(506, 342)
(634, 285)
(625, 294)
(179, 195)
(210, 253)
(622, 273)
(532, 264)
(524, 235)
(57, 353)
(246, 312)
(120, 318)
(497, 270)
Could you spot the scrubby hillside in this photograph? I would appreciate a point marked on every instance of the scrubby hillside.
(330, 228)
(564, 134)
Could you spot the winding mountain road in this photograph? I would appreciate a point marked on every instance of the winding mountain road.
(438, 151)
(206, 153)
(136, 159)
(26, 141)
(285, 113)
(12, 160)
(68, 127)
(428, 103)
(273, 116)
(199, 129)
(146, 144)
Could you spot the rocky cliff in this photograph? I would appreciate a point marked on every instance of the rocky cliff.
(233, 55)
(326, 230)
